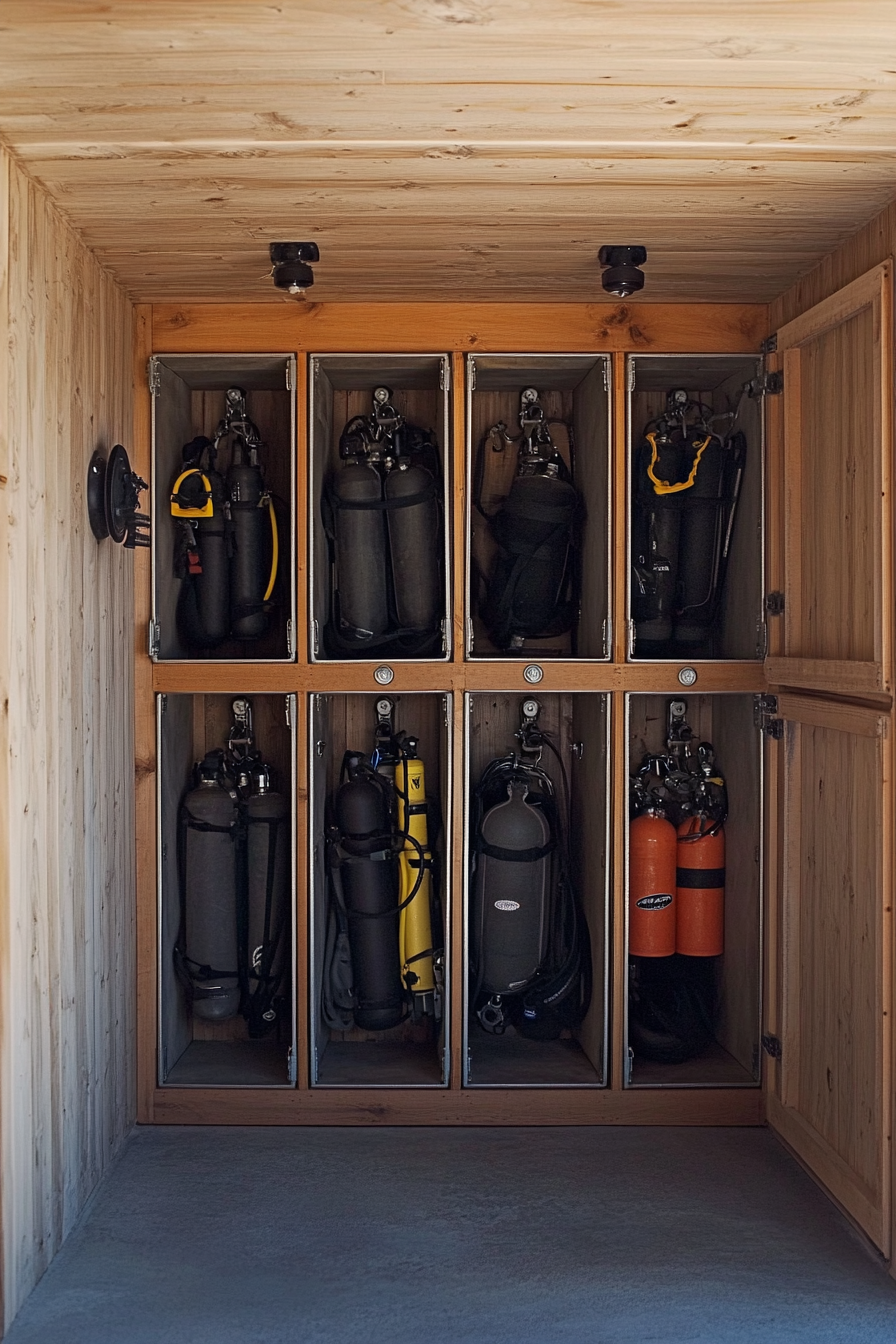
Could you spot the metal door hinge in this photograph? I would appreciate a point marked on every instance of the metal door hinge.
(446, 710)
(765, 707)
(446, 1065)
(315, 638)
(774, 604)
(630, 376)
(771, 1045)
(154, 377)
(469, 626)
(292, 1071)
(290, 704)
(767, 384)
(471, 375)
(761, 639)
(770, 344)
(154, 638)
(445, 625)
(291, 373)
(163, 703)
(629, 1062)
(290, 638)
(445, 375)
(630, 642)
(606, 374)
(606, 635)
(469, 1065)
(315, 1065)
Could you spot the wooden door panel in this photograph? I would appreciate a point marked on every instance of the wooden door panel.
(831, 1101)
(836, 551)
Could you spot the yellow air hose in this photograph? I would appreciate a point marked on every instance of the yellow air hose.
(275, 552)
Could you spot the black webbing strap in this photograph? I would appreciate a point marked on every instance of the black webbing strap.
(516, 855)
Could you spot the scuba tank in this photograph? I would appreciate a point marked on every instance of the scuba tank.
(383, 519)
(530, 956)
(234, 861)
(676, 871)
(686, 484)
(533, 586)
(222, 547)
(382, 905)
(652, 847)
(207, 956)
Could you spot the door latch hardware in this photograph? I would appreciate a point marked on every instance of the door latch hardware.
(765, 707)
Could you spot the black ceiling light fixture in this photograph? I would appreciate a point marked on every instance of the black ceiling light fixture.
(622, 275)
(291, 266)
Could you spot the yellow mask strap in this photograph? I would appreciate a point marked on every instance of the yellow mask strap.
(664, 487)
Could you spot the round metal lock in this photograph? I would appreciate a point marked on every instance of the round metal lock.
(384, 707)
(531, 709)
(383, 675)
(533, 674)
(687, 676)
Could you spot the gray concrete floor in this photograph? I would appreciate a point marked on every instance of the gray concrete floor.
(498, 1236)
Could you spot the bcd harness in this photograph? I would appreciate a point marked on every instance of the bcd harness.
(679, 805)
(383, 960)
(227, 564)
(382, 514)
(532, 589)
(530, 955)
(232, 951)
(686, 482)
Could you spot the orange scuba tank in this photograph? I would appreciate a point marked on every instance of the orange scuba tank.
(700, 888)
(651, 885)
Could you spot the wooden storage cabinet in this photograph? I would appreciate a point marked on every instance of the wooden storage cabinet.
(412, 1054)
(188, 399)
(810, 831)
(194, 1052)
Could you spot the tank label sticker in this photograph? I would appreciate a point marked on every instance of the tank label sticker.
(656, 902)
(514, 905)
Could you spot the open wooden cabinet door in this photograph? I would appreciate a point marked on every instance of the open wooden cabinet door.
(830, 834)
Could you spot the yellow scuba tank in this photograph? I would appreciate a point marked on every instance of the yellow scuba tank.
(415, 928)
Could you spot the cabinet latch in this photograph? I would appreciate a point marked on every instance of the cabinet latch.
(770, 344)
(765, 707)
(771, 1045)
(774, 604)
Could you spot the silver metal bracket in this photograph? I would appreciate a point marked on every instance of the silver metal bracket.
(315, 638)
(154, 377)
(154, 638)
(445, 375)
(606, 634)
(290, 710)
(446, 1065)
(471, 375)
(469, 631)
(445, 626)
(630, 376)
(605, 369)
(765, 708)
(291, 373)
(290, 638)
(292, 1070)
(469, 1065)
(761, 639)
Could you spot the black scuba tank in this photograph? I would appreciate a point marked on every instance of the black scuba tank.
(533, 530)
(248, 576)
(512, 892)
(367, 869)
(705, 522)
(655, 545)
(362, 593)
(413, 542)
(203, 609)
(266, 816)
(208, 955)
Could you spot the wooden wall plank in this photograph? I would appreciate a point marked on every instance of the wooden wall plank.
(67, 889)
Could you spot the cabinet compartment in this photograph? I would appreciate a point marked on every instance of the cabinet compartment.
(666, 556)
(189, 400)
(729, 982)
(572, 389)
(578, 727)
(411, 1053)
(196, 1051)
(342, 387)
